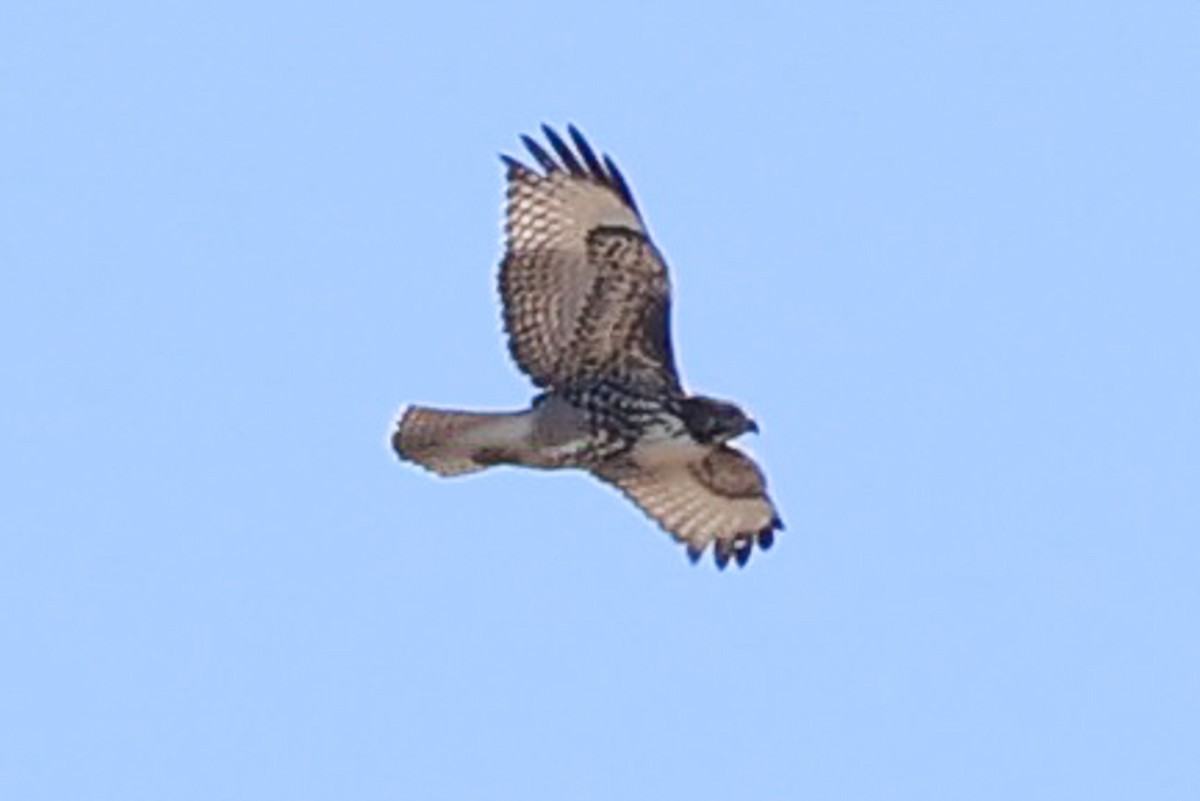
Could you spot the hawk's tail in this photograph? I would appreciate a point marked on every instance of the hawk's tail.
(451, 443)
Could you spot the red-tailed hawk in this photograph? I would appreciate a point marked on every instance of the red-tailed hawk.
(587, 310)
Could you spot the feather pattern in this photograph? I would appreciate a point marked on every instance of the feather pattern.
(718, 499)
(585, 292)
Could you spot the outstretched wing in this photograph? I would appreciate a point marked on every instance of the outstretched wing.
(585, 292)
(719, 499)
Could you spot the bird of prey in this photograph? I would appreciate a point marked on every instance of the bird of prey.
(586, 302)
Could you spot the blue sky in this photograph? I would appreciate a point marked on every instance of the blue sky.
(945, 253)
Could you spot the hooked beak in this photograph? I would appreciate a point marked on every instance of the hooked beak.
(752, 426)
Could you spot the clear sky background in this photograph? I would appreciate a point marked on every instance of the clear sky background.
(946, 253)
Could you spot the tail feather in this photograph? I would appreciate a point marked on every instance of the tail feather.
(452, 443)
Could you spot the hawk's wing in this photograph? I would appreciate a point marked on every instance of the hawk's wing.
(720, 499)
(585, 292)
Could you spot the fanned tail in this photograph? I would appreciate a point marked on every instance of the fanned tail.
(451, 443)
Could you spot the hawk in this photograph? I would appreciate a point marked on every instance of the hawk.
(587, 303)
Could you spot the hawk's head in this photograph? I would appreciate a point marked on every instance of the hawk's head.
(714, 421)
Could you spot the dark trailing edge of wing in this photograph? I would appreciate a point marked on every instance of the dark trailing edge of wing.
(602, 171)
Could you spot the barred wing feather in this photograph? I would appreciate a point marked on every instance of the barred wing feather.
(585, 292)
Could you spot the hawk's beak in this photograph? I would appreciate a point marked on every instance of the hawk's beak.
(752, 426)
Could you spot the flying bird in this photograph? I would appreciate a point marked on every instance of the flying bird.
(587, 301)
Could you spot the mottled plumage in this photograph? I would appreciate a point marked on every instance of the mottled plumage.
(587, 310)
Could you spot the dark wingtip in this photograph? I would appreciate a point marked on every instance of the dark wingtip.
(766, 538)
(538, 152)
(742, 551)
(575, 133)
(617, 181)
(564, 152)
(720, 556)
(603, 170)
(589, 155)
(776, 522)
(694, 553)
(740, 548)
